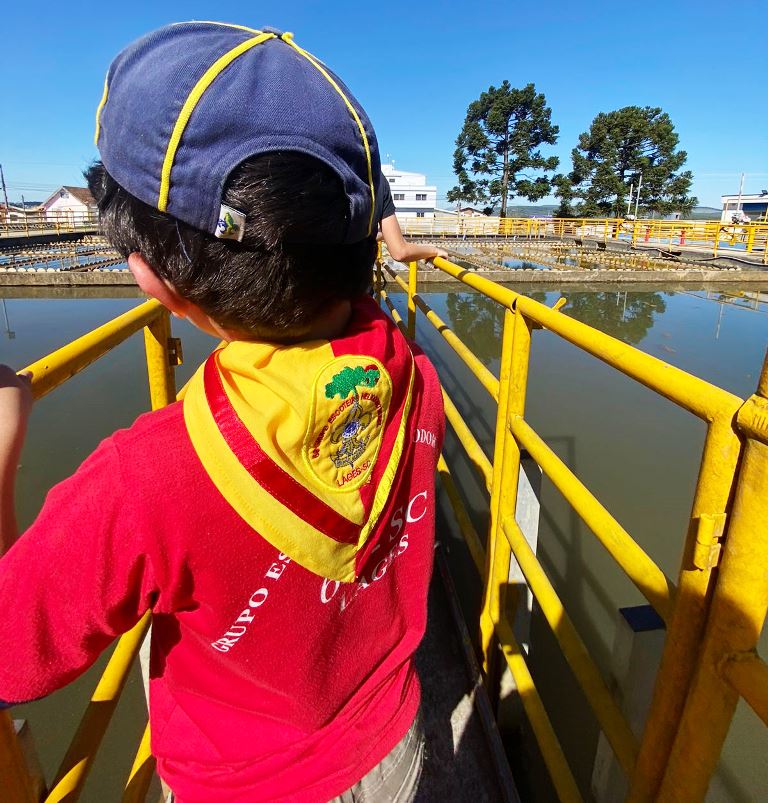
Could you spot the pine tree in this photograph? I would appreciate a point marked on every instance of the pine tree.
(498, 145)
(619, 148)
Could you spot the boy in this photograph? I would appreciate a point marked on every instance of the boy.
(280, 522)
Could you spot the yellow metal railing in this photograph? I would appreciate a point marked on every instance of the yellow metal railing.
(706, 235)
(162, 353)
(713, 618)
(20, 224)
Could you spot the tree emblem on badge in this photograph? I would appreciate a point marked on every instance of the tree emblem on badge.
(350, 433)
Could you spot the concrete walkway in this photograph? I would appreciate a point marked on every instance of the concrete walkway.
(459, 762)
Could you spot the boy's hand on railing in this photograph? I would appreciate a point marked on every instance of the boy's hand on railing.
(15, 405)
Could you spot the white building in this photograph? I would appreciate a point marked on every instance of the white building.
(754, 206)
(412, 196)
(71, 205)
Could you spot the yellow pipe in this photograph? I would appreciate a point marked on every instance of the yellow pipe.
(694, 394)
(476, 455)
(736, 616)
(77, 762)
(396, 317)
(160, 372)
(412, 268)
(471, 537)
(691, 605)
(62, 364)
(641, 569)
(611, 720)
(140, 776)
(496, 571)
(748, 674)
(484, 376)
(485, 286)
(549, 744)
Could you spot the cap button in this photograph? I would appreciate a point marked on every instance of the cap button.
(270, 29)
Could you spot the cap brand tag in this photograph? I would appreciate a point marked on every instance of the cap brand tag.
(230, 224)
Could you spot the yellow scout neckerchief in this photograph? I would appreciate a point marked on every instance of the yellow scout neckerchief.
(304, 441)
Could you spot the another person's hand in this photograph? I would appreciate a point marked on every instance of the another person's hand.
(441, 252)
(15, 406)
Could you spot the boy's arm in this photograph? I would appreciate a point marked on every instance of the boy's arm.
(15, 404)
(81, 575)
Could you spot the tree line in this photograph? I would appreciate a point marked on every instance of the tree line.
(498, 157)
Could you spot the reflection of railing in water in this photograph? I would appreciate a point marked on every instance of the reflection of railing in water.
(713, 618)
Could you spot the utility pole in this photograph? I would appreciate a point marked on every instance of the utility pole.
(637, 194)
(5, 193)
(738, 203)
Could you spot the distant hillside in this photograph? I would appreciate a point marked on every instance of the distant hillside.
(705, 213)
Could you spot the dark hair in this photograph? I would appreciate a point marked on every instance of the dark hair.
(289, 265)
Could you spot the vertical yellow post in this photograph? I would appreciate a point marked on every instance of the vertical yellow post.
(160, 362)
(718, 228)
(412, 268)
(15, 783)
(751, 237)
(685, 630)
(513, 375)
(140, 776)
(737, 614)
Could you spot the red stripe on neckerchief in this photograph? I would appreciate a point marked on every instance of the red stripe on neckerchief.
(271, 477)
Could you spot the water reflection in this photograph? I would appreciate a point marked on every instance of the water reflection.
(478, 320)
(627, 317)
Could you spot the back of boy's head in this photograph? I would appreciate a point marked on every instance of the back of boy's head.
(243, 171)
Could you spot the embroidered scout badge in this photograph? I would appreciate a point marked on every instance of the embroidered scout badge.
(350, 400)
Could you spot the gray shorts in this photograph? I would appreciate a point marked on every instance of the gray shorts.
(395, 779)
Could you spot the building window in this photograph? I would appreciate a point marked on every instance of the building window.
(419, 214)
(391, 180)
(421, 196)
(399, 196)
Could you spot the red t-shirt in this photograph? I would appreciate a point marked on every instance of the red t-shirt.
(269, 681)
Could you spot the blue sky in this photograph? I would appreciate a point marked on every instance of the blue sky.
(415, 66)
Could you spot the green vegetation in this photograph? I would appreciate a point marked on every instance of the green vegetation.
(498, 158)
(619, 148)
(499, 142)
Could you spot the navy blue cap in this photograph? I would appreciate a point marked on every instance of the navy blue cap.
(184, 105)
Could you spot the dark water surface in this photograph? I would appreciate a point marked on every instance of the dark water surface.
(637, 452)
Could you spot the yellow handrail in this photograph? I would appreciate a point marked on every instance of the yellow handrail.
(79, 757)
(49, 373)
(702, 604)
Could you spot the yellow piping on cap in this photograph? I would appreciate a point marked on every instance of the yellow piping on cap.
(99, 108)
(189, 106)
(288, 39)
